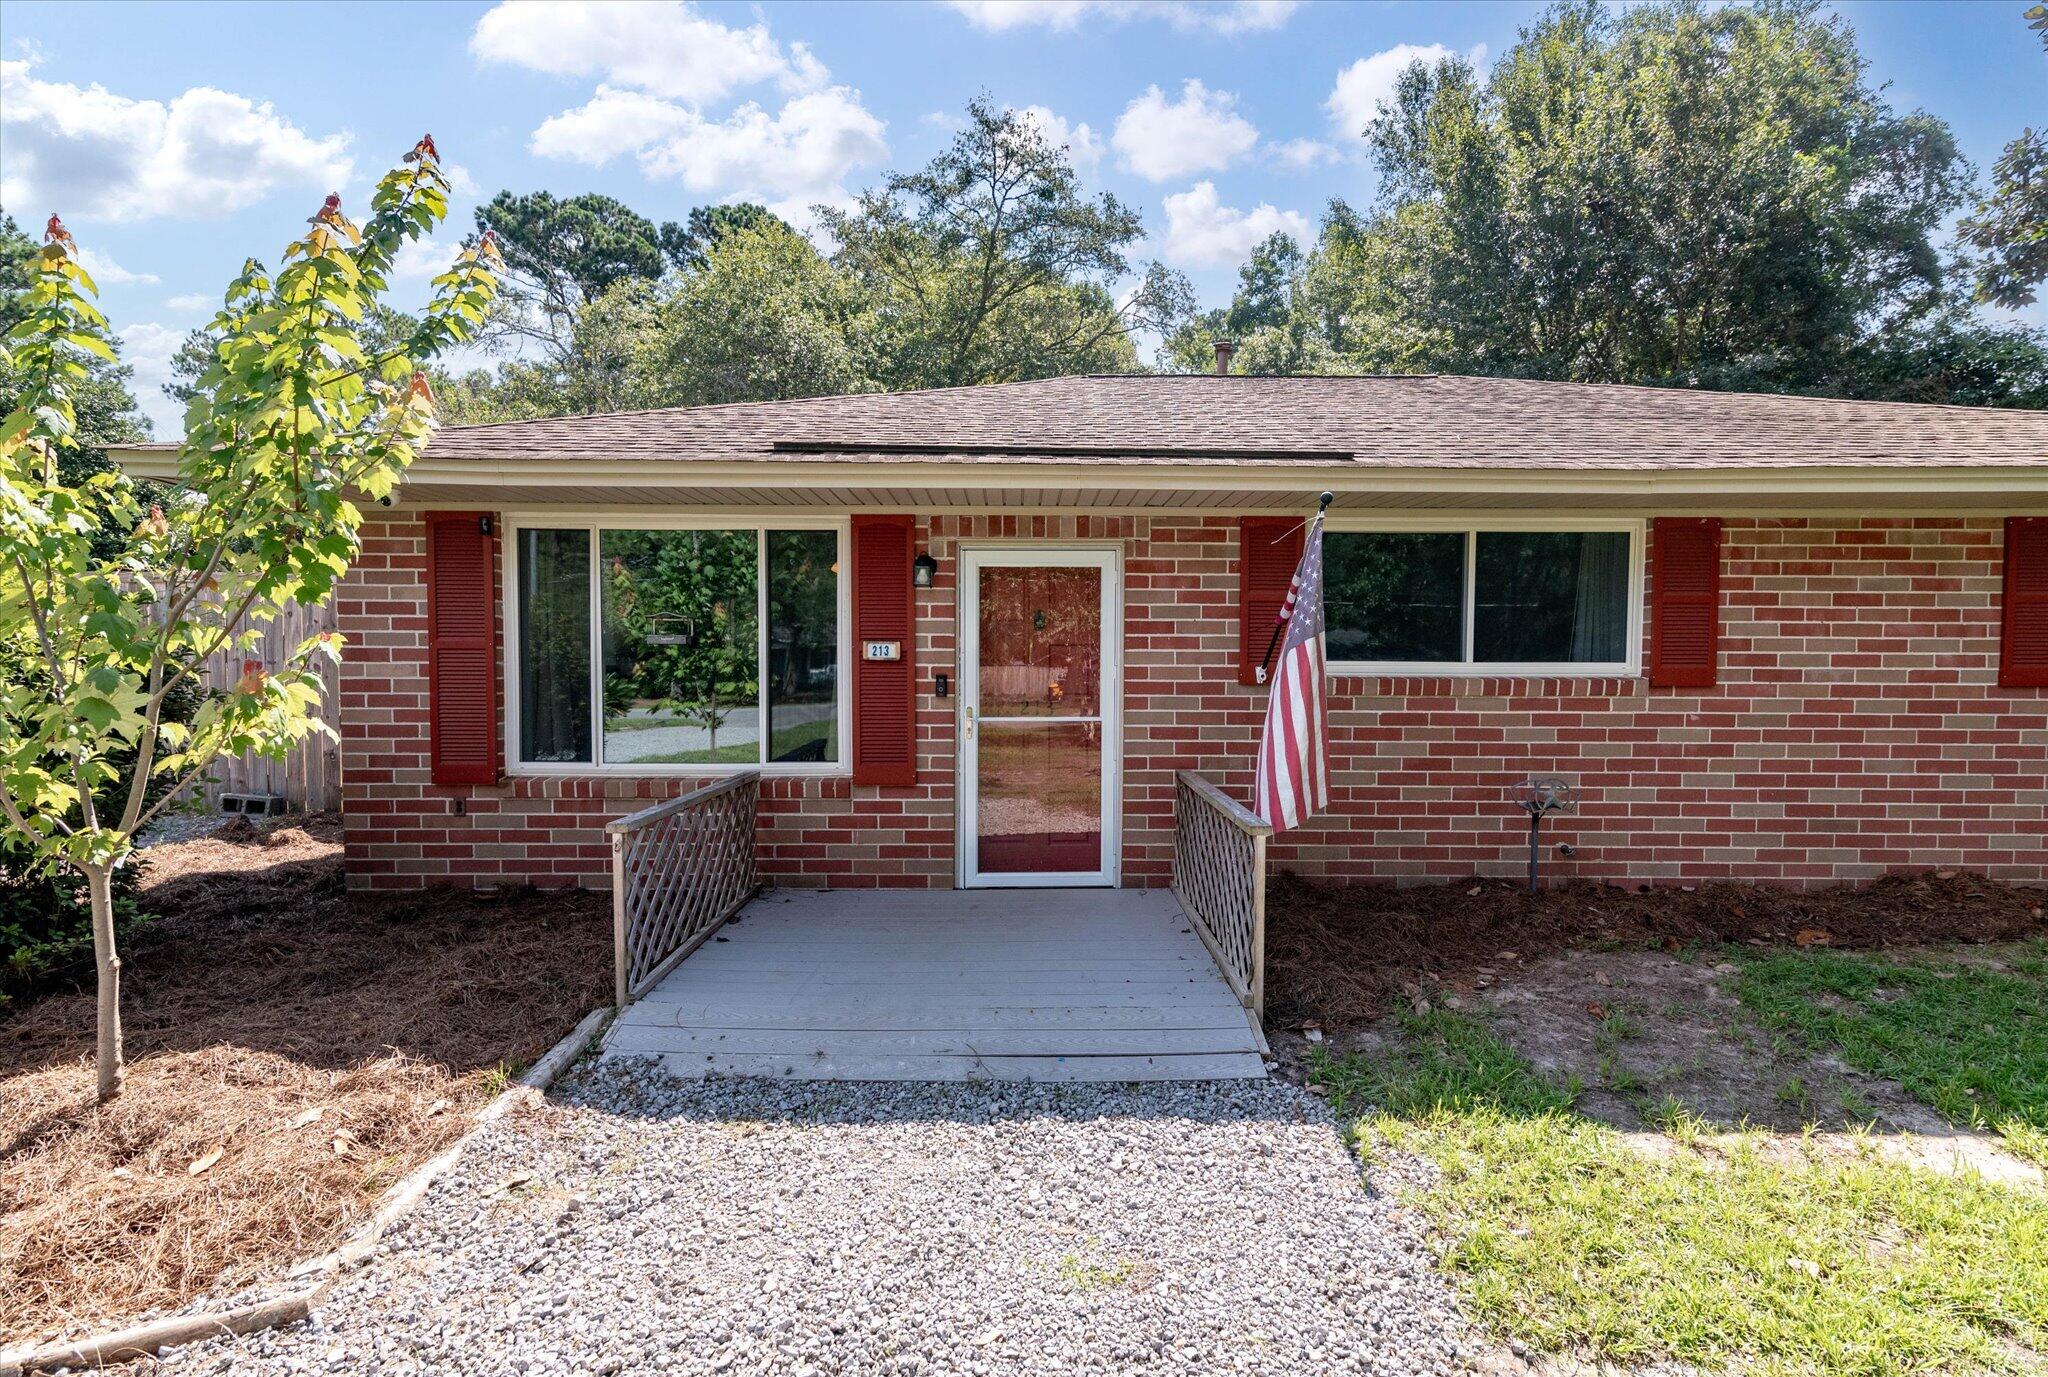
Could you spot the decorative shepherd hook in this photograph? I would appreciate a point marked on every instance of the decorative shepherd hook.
(1539, 797)
(1287, 604)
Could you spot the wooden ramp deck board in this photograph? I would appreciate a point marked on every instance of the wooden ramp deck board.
(948, 985)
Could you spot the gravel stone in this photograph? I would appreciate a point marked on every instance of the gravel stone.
(180, 825)
(642, 1224)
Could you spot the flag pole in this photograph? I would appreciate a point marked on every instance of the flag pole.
(1273, 641)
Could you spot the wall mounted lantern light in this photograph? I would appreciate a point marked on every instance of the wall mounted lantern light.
(922, 570)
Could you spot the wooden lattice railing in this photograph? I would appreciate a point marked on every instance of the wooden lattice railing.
(679, 870)
(1219, 876)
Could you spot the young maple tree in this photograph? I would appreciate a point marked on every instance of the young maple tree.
(292, 421)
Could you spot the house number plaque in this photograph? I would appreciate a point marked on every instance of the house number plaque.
(882, 650)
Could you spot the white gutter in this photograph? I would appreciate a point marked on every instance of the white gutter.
(485, 476)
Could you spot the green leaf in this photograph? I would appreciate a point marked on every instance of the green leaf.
(92, 344)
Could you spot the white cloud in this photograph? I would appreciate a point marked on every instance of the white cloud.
(667, 48)
(1303, 155)
(89, 153)
(1162, 139)
(1213, 16)
(148, 348)
(660, 66)
(190, 301)
(806, 72)
(1354, 102)
(803, 150)
(107, 273)
(417, 260)
(611, 123)
(1079, 140)
(799, 155)
(1203, 232)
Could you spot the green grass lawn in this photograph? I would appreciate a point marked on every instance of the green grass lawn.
(1729, 1253)
(1968, 1039)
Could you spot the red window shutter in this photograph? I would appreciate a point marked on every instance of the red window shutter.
(2023, 639)
(1685, 602)
(884, 691)
(1268, 550)
(462, 649)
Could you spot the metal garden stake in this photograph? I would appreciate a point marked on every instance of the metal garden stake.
(1539, 798)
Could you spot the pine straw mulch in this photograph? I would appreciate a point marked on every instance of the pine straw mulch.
(1342, 956)
(263, 993)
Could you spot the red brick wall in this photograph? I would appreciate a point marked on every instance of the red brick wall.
(1857, 728)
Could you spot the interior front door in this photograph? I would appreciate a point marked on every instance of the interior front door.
(1040, 632)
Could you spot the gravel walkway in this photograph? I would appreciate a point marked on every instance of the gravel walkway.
(645, 1225)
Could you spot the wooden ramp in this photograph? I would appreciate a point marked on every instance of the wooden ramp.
(949, 985)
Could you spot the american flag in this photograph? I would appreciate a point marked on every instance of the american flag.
(1294, 773)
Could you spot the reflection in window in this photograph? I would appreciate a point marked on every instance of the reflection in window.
(1394, 596)
(803, 645)
(681, 673)
(1039, 800)
(553, 660)
(1041, 641)
(1551, 597)
(1527, 598)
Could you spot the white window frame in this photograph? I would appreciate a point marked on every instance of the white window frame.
(1471, 528)
(627, 520)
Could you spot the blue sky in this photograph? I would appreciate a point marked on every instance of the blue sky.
(177, 139)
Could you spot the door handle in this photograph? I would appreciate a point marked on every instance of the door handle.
(969, 730)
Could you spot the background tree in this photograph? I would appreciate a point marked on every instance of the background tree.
(292, 420)
(592, 371)
(989, 264)
(1267, 310)
(690, 249)
(1640, 195)
(2011, 225)
(765, 318)
(562, 254)
(1666, 194)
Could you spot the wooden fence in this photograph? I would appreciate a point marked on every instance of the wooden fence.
(679, 870)
(310, 777)
(1219, 876)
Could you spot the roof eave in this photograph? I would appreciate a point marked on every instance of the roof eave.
(1349, 477)
(582, 476)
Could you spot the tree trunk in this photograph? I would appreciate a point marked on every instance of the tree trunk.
(99, 880)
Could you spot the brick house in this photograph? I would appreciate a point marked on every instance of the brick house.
(968, 636)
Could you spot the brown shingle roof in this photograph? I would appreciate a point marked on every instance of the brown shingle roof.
(1386, 422)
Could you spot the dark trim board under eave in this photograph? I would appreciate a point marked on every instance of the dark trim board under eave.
(1191, 454)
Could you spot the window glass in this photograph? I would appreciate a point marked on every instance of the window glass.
(803, 645)
(1544, 597)
(1041, 641)
(554, 646)
(1394, 595)
(681, 667)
